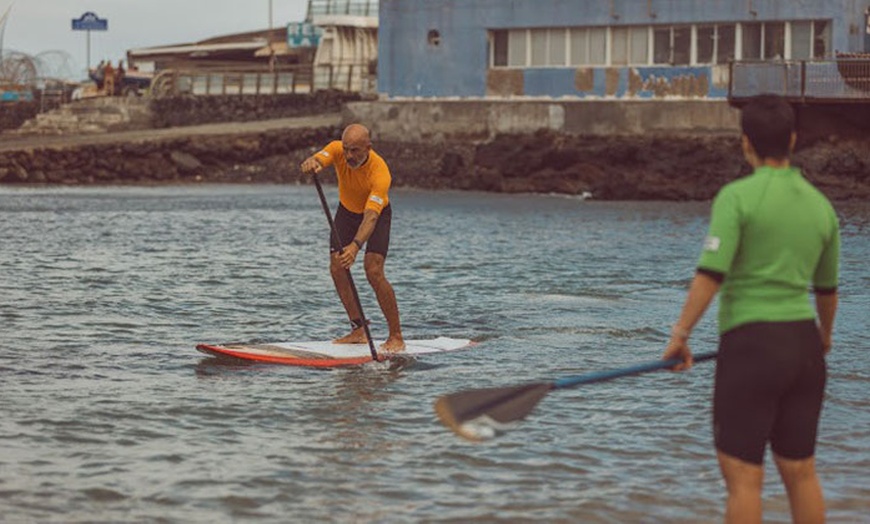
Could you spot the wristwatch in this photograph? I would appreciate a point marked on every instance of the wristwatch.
(358, 243)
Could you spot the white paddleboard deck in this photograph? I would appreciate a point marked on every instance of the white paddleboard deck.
(328, 354)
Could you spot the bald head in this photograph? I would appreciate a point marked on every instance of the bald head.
(356, 142)
(356, 134)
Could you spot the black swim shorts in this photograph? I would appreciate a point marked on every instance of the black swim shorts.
(347, 223)
(770, 382)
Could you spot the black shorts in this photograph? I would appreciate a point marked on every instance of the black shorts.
(347, 223)
(770, 382)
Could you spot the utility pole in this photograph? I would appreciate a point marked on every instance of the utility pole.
(271, 49)
(3, 20)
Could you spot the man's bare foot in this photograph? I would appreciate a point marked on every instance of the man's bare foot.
(357, 336)
(393, 345)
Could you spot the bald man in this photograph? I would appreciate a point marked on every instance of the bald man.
(363, 219)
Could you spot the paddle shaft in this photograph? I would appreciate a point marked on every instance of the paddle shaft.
(468, 413)
(340, 248)
(568, 382)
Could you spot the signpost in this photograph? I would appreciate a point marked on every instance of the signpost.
(90, 22)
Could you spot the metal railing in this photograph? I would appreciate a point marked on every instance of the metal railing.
(345, 77)
(175, 82)
(343, 7)
(287, 80)
(840, 80)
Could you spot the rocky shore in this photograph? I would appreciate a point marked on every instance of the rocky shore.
(660, 167)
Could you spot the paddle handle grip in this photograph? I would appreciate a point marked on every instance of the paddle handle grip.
(601, 376)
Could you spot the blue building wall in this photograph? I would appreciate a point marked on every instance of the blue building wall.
(410, 65)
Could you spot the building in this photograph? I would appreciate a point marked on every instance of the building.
(334, 48)
(247, 50)
(347, 49)
(632, 49)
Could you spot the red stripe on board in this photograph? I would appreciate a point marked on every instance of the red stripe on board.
(288, 360)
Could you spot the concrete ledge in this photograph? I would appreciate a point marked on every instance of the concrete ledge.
(482, 119)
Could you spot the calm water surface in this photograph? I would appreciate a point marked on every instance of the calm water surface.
(108, 413)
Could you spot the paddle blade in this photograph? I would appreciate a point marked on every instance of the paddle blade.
(482, 414)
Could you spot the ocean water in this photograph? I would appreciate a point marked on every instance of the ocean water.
(108, 414)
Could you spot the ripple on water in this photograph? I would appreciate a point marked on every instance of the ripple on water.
(111, 415)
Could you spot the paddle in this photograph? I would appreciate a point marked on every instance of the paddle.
(481, 414)
(340, 248)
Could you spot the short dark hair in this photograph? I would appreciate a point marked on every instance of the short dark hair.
(768, 121)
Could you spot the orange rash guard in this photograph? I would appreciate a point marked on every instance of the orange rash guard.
(365, 187)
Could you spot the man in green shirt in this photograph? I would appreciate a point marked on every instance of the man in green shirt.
(772, 235)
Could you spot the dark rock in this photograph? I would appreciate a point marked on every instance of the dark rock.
(185, 162)
(13, 114)
(660, 167)
(186, 111)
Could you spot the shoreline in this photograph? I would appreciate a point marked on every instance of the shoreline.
(672, 167)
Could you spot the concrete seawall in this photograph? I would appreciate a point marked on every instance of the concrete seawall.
(613, 150)
(482, 120)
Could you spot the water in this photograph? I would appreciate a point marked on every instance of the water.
(110, 415)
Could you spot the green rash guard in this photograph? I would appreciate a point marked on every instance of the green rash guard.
(772, 234)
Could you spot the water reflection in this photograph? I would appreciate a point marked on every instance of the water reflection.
(107, 290)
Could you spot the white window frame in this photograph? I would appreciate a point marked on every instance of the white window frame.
(565, 44)
(648, 59)
(527, 45)
(570, 56)
(608, 33)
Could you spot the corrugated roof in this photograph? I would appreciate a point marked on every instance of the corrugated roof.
(198, 48)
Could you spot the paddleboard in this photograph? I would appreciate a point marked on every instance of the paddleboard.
(328, 354)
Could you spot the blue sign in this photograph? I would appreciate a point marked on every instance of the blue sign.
(303, 34)
(16, 96)
(90, 22)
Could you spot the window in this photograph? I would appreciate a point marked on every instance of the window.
(662, 45)
(679, 45)
(598, 45)
(539, 47)
(774, 40)
(751, 41)
(724, 43)
(629, 45)
(579, 47)
(619, 46)
(556, 55)
(682, 46)
(517, 47)
(499, 48)
(821, 39)
(672, 45)
(548, 47)
(801, 40)
(588, 46)
(714, 44)
(639, 41)
(763, 40)
(706, 44)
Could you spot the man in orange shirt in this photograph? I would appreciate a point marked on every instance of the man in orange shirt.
(364, 216)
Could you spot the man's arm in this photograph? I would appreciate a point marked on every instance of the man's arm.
(826, 307)
(366, 228)
(704, 287)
